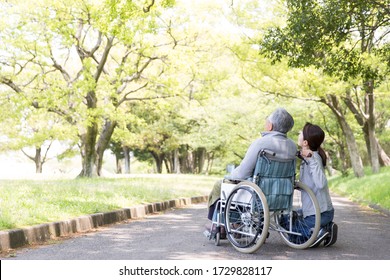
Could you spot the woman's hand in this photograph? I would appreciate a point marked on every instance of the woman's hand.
(306, 153)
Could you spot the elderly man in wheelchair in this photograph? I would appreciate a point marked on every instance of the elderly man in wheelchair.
(261, 194)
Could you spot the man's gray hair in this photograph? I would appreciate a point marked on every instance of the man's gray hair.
(281, 120)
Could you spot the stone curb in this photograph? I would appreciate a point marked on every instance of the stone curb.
(37, 234)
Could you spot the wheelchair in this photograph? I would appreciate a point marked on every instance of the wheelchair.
(270, 201)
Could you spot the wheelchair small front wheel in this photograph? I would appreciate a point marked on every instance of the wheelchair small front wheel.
(217, 240)
(246, 217)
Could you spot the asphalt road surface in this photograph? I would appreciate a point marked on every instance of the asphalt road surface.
(364, 234)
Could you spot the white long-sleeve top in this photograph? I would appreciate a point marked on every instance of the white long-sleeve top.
(313, 175)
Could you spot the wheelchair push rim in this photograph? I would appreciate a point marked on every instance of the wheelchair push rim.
(291, 233)
(246, 217)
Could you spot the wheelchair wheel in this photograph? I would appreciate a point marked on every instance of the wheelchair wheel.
(246, 217)
(291, 224)
(217, 239)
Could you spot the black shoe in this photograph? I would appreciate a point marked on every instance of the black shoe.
(284, 221)
(223, 232)
(322, 234)
(332, 237)
(295, 216)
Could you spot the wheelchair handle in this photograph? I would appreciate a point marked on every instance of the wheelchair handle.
(264, 152)
(299, 155)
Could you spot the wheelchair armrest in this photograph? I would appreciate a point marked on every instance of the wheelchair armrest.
(232, 181)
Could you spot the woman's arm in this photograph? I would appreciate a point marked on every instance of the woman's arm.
(317, 171)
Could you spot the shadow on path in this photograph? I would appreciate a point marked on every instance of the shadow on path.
(177, 235)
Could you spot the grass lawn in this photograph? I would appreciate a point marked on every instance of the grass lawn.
(31, 202)
(371, 189)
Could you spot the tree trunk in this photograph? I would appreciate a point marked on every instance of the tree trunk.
(200, 154)
(126, 152)
(89, 153)
(176, 162)
(38, 161)
(345, 163)
(356, 162)
(370, 101)
(210, 159)
(383, 157)
(364, 121)
(118, 161)
(159, 161)
(329, 164)
(185, 160)
(190, 161)
(89, 139)
(37, 158)
(104, 140)
(167, 165)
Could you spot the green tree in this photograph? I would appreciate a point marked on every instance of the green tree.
(346, 39)
(25, 127)
(85, 60)
(175, 129)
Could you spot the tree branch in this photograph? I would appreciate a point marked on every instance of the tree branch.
(30, 157)
(11, 84)
(57, 66)
(97, 45)
(103, 60)
(147, 8)
(47, 150)
(135, 76)
(125, 97)
(279, 93)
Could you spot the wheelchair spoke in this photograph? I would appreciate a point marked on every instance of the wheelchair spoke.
(244, 219)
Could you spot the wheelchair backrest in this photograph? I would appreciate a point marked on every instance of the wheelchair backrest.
(275, 177)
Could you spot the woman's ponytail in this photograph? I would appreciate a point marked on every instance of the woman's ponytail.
(323, 155)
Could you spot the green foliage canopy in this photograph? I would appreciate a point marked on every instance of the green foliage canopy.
(342, 37)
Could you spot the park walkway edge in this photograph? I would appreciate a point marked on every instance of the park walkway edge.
(12, 239)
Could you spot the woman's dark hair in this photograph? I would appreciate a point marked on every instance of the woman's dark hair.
(314, 136)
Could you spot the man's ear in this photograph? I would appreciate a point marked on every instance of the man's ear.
(269, 126)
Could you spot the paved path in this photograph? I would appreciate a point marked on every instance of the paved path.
(177, 235)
